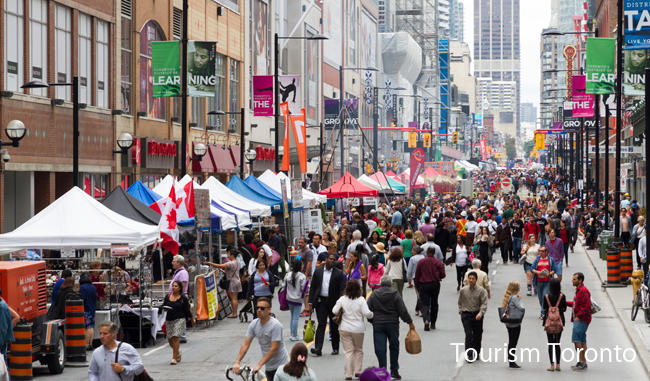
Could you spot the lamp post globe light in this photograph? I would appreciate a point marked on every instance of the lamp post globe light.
(124, 141)
(15, 132)
(251, 155)
(200, 150)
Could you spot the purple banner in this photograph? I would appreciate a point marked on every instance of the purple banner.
(557, 125)
(263, 95)
(583, 104)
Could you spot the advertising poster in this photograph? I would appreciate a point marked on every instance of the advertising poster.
(289, 91)
(368, 41)
(637, 24)
(331, 113)
(634, 72)
(211, 291)
(263, 95)
(416, 166)
(600, 65)
(332, 28)
(201, 78)
(583, 104)
(261, 38)
(165, 68)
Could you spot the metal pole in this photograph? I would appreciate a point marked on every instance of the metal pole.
(619, 112)
(606, 165)
(647, 142)
(320, 162)
(184, 91)
(242, 145)
(75, 131)
(597, 172)
(276, 86)
(571, 161)
(341, 119)
(375, 129)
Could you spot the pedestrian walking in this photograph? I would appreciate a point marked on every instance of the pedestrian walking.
(543, 270)
(8, 320)
(231, 269)
(555, 249)
(484, 241)
(483, 279)
(472, 304)
(581, 318)
(375, 271)
(396, 268)
(89, 295)
(261, 283)
(388, 307)
(355, 270)
(529, 252)
(178, 315)
(554, 307)
(563, 234)
(352, 308)
(268, 331)
(460, 258)
(512, 301)
(294, 283)
(114, 360)
(296, 369)
(428, 274)
(327, 286)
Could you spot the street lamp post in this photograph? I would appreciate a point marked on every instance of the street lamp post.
(251, 155)
(75, 119)
(124, 141)
(276, 87)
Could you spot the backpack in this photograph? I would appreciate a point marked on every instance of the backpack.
(553, 322)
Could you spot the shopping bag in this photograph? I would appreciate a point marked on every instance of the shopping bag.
(413, 343)
(308, 335)
(282, 299)
(375, 374)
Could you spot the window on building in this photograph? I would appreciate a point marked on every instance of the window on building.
(126, 54)
(198, 112)
(152, 107)
(234, 105)
(38, 43)
(216, 122)
(14, 45)
(84, 49)
(177, 31)
(102, 61)
(63, 49)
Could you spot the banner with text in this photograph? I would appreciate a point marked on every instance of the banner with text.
(583, 104)
(416, 166)
(637, 24)
(600, 65)
(166, 68)
(201, 66)
(263, 95)
(331, 114)
(634, 72)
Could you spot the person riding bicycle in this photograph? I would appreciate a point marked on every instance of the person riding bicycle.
(268, 331)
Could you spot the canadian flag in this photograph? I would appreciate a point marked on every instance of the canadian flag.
(183, 201)
(167, 224)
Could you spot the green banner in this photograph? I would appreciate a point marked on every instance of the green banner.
(166, 68)
(600, 65)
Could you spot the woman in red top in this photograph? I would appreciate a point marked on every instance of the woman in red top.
(564, 236)
(543, 270)
(531, 227)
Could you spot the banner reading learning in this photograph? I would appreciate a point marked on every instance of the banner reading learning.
(600, 65)
(201, 58)
(166, 68)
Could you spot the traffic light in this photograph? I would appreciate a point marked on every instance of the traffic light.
(454, 137)
(413, 140)
(426, 140)
(368, 168)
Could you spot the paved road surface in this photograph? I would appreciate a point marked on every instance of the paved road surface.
(209, 351)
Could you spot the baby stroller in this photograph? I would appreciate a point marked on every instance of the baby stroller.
(246, 310)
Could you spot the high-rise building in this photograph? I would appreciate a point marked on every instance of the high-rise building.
(456, 22)
(528, 112)
(496, 44)
(386, 19)
(444, 13)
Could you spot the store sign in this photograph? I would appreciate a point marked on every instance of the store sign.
(159, 153)
(155, 148)
(119, 249)
(263, 153)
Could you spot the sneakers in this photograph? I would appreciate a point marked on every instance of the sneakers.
(580, 366)
(294, 338)
(315, 352)
(426, 326)
(395, 375)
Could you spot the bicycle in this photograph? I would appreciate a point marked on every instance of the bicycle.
(641, 301)
(246, 373)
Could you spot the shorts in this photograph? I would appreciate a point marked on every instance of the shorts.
(558, 268)
(579, 334)
(527, 267)
(89, 320)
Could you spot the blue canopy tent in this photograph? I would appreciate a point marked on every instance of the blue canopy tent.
(142, 193)
(262, 188)
(237, 185)
(215, 223)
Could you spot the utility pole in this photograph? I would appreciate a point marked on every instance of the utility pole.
(619, 112)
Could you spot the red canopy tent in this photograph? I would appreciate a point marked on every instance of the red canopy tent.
(348, 186)
(390, 173)
(430, 172)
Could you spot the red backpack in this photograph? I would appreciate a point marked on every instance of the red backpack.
(553, 322)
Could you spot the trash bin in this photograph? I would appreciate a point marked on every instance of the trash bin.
(604, 242)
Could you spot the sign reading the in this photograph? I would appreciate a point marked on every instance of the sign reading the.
(263, 95)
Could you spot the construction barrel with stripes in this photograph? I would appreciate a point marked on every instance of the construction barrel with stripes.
(613, 265)
(75, 330)
(627, 266)
(20, 353)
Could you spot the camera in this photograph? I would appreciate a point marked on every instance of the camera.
(5, 156)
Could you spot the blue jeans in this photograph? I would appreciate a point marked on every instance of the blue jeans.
(542, 290)
(295, 314)
(516, 247)
(380, 333)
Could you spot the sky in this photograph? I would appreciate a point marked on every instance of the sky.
(535, 15)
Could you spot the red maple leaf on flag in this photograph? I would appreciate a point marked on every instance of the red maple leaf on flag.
(171, 219)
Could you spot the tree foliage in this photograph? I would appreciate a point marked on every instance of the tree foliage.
(511, 150)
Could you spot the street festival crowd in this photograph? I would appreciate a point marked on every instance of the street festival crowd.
(358, 270)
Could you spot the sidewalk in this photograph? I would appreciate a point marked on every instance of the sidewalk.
(638, 331)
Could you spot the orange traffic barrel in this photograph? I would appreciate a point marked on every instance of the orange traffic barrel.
(627, 266)
(75, 331)
(613, 265)
(20, 353)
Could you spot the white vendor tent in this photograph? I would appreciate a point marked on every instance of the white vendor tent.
(78, 221)
(224, 195)
(367, 181)
(164, 186)
(274, 181)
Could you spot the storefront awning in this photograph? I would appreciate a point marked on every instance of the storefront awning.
(235, 153)
(222, 160)
(204, 165)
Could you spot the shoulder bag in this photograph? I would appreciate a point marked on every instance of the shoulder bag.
(144, 376)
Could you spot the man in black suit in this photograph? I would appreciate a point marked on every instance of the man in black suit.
(327, 286)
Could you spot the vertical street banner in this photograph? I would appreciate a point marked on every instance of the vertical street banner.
(583, 104)
(540, 142)
(284, 106)
(289, 92)
(636, 15)
(201, 66)
(443, 55)
(634, 72)
(416, 166)
(600, 65)
(263, 95)
(166, 68)
(300, 135)
(331, 113)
